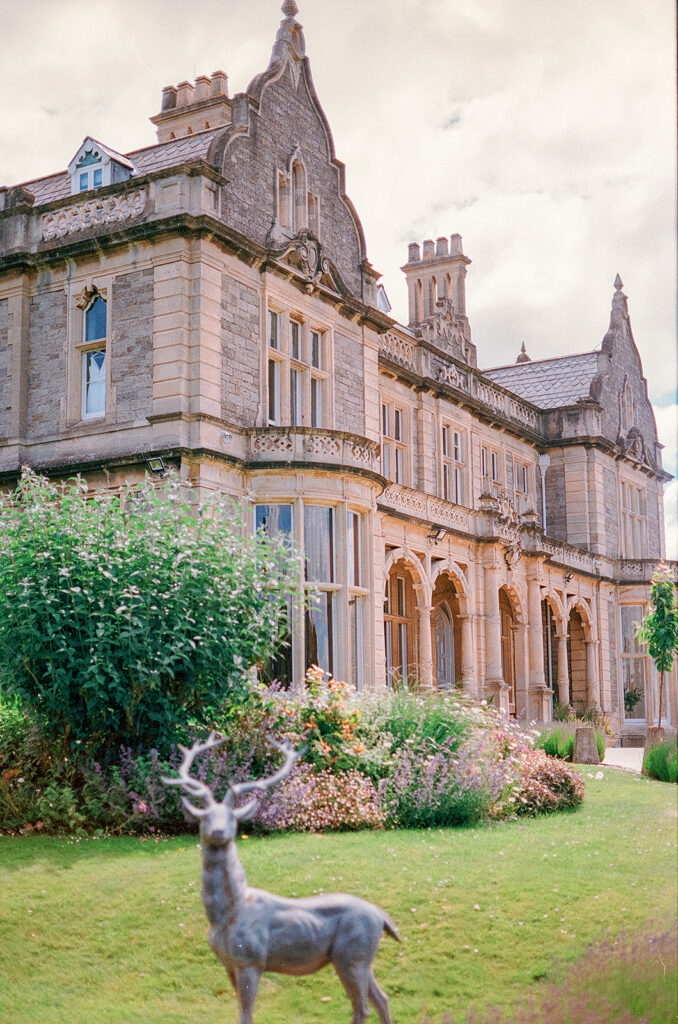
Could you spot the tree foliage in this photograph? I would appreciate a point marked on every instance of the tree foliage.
(659, 629)
(124, 615)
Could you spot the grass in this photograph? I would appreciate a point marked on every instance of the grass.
(113, 930)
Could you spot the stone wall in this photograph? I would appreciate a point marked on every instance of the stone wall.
(556, 513)
(46, 362)
(240, 328)
(287, 119)
(611, 510)
(131, 345)
(349, 391)
(5, 371)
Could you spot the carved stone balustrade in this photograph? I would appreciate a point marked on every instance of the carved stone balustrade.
(313, 447)
(93, 212)
(426, 507)
(397, 349)
(641, 570)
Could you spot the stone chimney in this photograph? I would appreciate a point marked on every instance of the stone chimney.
(189, 108)
(438, 274)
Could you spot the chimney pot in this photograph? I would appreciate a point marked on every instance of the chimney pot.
(456, 246)
(185, 94)
(202, 87)
(413, 255)
(219, 85)
(169, 98)
(429, 249)
(441, 246)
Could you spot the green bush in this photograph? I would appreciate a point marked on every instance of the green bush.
(661, 760)
(124, 614)
(559, 742)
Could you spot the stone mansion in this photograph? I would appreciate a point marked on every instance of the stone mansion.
(206, 303)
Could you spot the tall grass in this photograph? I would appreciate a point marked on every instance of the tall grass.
(661, 760)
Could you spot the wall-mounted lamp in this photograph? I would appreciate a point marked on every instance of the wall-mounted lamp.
(437, 533)
(569, 576)
(157, 466)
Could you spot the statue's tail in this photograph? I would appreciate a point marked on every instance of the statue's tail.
(391, 929)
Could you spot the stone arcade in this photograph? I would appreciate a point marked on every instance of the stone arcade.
(208, 301)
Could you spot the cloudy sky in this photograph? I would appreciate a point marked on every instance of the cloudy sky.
(541, 131)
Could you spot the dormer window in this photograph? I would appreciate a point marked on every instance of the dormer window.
(95, 165)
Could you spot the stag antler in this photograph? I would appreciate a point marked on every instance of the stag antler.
(261, 785)
(194, 787)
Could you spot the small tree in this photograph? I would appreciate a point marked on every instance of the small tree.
(124, 615)
(659, 629)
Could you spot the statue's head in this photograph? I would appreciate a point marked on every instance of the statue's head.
(219, 818)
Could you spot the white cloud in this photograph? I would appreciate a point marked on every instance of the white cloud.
(671, 519)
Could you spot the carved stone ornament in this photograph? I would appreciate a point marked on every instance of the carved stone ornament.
(304, 254)
(512, 554)
(446, 331)
(93, 213)
(252, 931)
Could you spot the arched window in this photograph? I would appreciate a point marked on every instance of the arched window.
(94, 358)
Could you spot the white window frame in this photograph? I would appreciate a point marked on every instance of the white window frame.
(452, 463)
(395, 425)
(85, 349)
(302, 399)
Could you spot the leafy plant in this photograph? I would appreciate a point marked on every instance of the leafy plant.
(659, 630)
(559, 742)
(124, 614)
(324, 801)
(661, 760)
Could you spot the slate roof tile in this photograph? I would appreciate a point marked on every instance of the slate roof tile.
(549, 383)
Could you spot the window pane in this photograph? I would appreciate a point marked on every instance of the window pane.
(316, 350)
(446, 441)
(495, 468)
(273, 329)
(95, 320)
(316, 402)
(353, 545)
(384, 420)
(402, 652)
(319, 543)
(295, 398)
(399, 466)
(457, 486)
(98, 178)
(398, 425)
(320, 631)
(273, 391)
(630, 614)
(633, 676)
(483, 461)
(275, 520)
(94, 374)
(401, 596)
(457, 446)
(386, 460)
(295, 339)
(84, 181)
(355, 618)
(446, 481)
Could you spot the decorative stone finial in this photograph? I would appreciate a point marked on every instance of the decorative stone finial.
(618, 283)
(290, 9)
(523, 357)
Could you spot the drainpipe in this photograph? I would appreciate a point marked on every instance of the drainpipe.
(544, 463)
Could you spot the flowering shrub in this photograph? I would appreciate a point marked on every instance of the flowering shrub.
(310, 801)
(544, 784)
(433, 785)
(321, 718)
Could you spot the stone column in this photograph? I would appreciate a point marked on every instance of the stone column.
(467, 653)
(592, 683)
(425, 648)
(494, 676)
(563, 674)
(540, 694)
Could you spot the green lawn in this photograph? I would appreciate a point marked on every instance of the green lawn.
(112, 930)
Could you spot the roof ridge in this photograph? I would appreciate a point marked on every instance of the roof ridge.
(537, 362)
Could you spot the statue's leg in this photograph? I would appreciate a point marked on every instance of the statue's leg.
(355, 979)
(379, 1001)
(234, 980)
(248, 984)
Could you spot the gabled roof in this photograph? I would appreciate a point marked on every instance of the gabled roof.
(549, 383)
(151, 158)
(88, 143)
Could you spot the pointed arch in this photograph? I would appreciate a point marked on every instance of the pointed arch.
(413, 562)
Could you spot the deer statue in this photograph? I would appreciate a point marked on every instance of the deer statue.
(251, 930)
